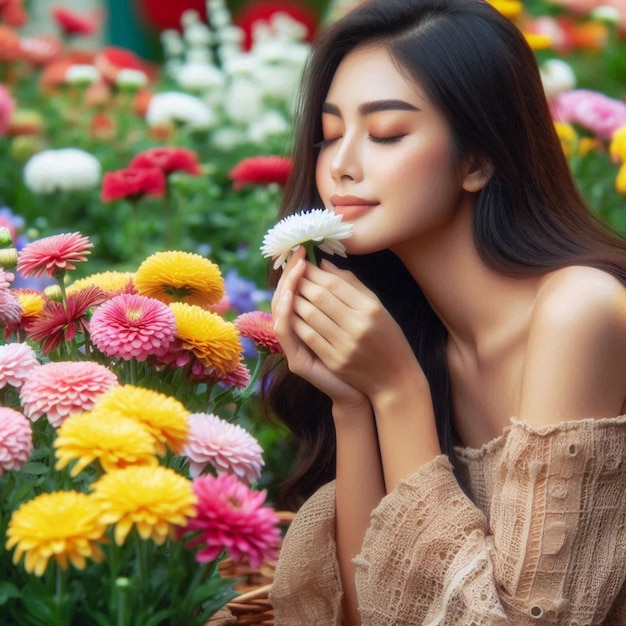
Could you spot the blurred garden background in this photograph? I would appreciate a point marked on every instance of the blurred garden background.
(97, 95)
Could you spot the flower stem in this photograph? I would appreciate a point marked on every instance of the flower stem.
(310, 252)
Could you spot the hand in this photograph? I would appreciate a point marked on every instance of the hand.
(301, 359)
(345, 326)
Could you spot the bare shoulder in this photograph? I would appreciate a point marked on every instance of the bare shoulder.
(575, 364)
(577, 294)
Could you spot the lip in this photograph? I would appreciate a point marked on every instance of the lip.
(344, 201)
(351, 207)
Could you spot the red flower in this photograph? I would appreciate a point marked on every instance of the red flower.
(168, 159)
(111, 60)
(72, 23)
(53, 254)
(57, 323)
(13, 13)
(133, 183)
(261, 170)
(263, 11)
(161, 15)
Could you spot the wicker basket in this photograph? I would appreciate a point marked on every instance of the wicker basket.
(252, 606)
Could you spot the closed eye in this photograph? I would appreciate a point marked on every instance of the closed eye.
(325, 142)
(386, 140)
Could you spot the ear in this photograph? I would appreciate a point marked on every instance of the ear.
(477, 173)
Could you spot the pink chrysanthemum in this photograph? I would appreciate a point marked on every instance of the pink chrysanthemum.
(239, 377)
(228, 448)
(259, 326)
(6, 278)
(63, 388)
(54, 254)
(232, 517)
(16, 363)
(57, 323)
(132, 326)
(16, 439)
(10, 309)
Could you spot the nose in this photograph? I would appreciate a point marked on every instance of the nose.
(346, 162)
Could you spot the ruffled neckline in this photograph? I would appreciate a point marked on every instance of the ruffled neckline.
(491, 447)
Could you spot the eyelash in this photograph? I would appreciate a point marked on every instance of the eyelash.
(379, 140)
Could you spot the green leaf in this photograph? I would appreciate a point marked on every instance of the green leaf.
(7, 592)
(35, 469)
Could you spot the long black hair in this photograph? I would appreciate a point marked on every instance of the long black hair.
(478, 71)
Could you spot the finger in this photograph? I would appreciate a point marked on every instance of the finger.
(346, 275)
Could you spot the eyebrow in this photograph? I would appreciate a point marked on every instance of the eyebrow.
(376, 106)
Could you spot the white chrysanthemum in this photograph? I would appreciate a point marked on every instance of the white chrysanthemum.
(200, 77)
(65, 169)
(231, 35)
(175, 106)
(228, 137)
(607, 14)
(172, 43)
(243, 102)
(198, 34)
(82, 74)
(129, 78)
(278, 82)
(269, 124)
(557, 76)
(198, 55)
(321, 226)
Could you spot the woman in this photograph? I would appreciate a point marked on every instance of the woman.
(456, 386)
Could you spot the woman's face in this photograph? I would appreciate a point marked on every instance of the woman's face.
(386, 163)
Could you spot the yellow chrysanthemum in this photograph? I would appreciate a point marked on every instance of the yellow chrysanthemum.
(64, 525)
(153, 499)
(31, 302)
(617, 148)
(112, 283)
(509, 8)
(114, 440)
(164, 417)
(175, 276)
(571, 143)
(211, 338)
(538, 41)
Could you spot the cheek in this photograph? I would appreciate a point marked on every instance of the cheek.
(322, 176)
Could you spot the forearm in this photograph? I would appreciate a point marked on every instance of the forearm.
(407, 432)
(359, 489)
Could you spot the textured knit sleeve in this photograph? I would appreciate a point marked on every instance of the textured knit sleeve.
(550, 550)
(307, 586)
(547, 545)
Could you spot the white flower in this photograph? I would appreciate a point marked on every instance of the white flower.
(557, 76)
(175, 106)
(198, 34)
(81, 74)
(270, 124)
(321, 226)
(607, 14)
(65, 169)
(172, 43)
(243, 101)
(133, 79)
(200, 77)
(228, 137)
(229, 448)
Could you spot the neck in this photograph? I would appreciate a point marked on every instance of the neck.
(478, 306)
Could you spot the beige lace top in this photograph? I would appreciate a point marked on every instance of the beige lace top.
(543, 540)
